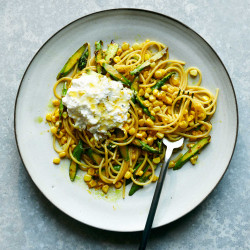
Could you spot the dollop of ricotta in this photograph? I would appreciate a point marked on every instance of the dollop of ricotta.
(97, 103)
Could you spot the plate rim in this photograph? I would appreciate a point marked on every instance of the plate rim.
(138, 10)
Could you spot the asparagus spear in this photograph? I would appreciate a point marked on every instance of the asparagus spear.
(160, 83)
(135, 88)
(115, 74)
(144, 109)
(83, 60)
(98, 55)
(71, 62)
(111, 51)
(154, 58)
(143, 178)
(77, 153)
(94, 156)
(145, 146)
(191, 152)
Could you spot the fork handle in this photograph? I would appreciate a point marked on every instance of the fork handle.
(154, 203)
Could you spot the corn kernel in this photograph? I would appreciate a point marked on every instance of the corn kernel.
(193, 159)
(148, 90)
(152, 65)
(64, 115)
(144, 134)
(163, 107)
(57, 124)
(118, 184)
(156, 160)
(159, 135)
(192, 112)
(193, 72)
(56, 160)
(48, 117)
(161, 95)
(149, 122)
(138, 136)
(183, 124)
(164, 87)
(147, 56)
(190, 145)
(174, 81)
(152, 112)
(56, 102)
(156, 109)
(91, 171)
(141, 92)
(105, 188)
(140, 173)
(190, 118)
(128, 175)
(171, 164)
(155, 178)
(159, 73)
(167, 100)
(155, 92)
(92, 183)
(53, 119)
(146, 103)
(53, 130)
(150, 140)
(129, 120)
(62, 154)
(203, 128)
(125, 46)
(64, 140)
(170, 89)
(102, 61)
(202, 116)
(185, 111)
(73, 147)
(139, 111)
(136, 46)
(132, 131)
(152, 98)
(146, 95)
(141, 122)
(126, 126)
(117, 59)
(119, 51)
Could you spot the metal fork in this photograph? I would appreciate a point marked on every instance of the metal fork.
(170, 147)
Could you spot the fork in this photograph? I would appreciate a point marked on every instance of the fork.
(170, 147)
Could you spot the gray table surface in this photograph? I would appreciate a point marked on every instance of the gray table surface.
(29, 221)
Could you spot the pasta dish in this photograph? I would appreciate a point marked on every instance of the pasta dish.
(113, 109)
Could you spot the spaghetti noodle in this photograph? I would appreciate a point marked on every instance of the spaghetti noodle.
(170, 108)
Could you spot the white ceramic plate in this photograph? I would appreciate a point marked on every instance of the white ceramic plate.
(183, 189)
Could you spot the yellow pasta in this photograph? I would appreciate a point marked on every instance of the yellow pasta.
(173, 109)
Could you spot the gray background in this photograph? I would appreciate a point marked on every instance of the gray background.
(29, 221)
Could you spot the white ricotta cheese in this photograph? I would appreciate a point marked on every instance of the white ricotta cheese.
(97, 103)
